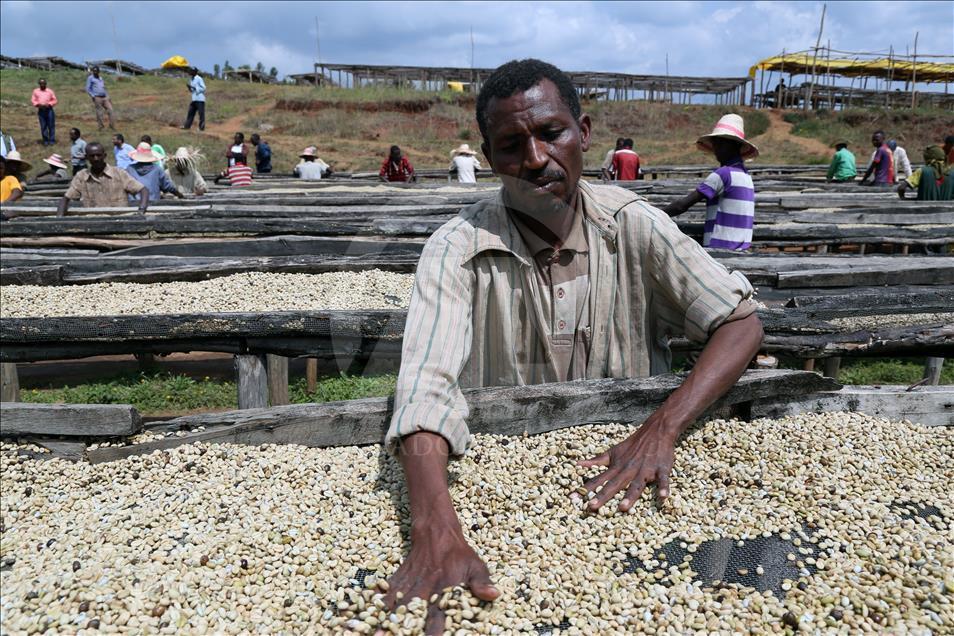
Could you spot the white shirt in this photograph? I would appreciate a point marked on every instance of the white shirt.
(466, 166)
(310, 170)
(902, 166)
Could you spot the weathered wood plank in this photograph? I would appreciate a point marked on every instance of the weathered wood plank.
(934, 272)
(502, 410)
(932, 370)
(39, 275)
(876, 217)
(277, 380)
(251, 381)
(9, 382)
(930, 406)
(68, 420)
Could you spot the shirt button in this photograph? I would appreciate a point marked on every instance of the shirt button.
(561, 293)
(561, 325)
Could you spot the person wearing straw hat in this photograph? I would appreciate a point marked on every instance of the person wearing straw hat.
(728, 192)
(146, 169)
(57, 170)
(18, 168)
(464, 163)
(10, 187)
(102, 185)
(311, 168)
(184, 172)
(842, 167)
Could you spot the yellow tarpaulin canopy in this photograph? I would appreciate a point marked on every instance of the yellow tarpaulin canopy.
(176, 61)
(897, 70)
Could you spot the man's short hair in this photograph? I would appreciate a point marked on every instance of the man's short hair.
(254, 137)
(520, 75)
(949, 140)
(878, 132)
(77, 130)
(241, 135)
(94, 144)
(145, 138)
(395, 150)
(120, 137)
(627, 143)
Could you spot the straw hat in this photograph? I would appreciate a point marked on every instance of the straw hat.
(840, 142)
(144, 154)
(730, 126)
(462, 149)
(56, 161)
(14, 157)
(310, 151)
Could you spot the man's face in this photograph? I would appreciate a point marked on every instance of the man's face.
(536, 146)
(74, 135)
(95, 71)
(877, 139)
(117, 142)
(237, 139)
(96, 155)
(42, 84)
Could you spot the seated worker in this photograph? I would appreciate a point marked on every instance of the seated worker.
(238, 173)
(606, 169)
(10, 187)
(728, 192)
(933, 182)
(465, 164)
(396, 167)
(183, 171)
(102, 185)
(626, 162)
(58, 170)
(842, 167)
(311, 168)
(881, 163)
(552, 279)
(146, 169)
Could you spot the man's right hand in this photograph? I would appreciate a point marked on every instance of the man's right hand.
(439, 559)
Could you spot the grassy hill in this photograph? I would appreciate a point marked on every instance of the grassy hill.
(354, 128)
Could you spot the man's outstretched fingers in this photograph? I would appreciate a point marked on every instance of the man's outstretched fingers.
(602, 459)
(662, 486)
(633, 493)
(593, 483)
(435, 620)
(481, 586)
(610, 488)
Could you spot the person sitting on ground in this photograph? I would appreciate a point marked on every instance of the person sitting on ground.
(263, 154)
(238, 149)
(102, 185)
(10, 188)
(881, 164)
(626, 162)
(311, 168)
(842, 167)
(156, 148)
(77, 150)
(17, 167)
(184, 172)
(934, 181)
(902, 166)
(553, 279)
(728, 192)
(56, 171)
(464, 162)
(148, 171)
(606, 170)
(396, 167)
(121, 152)
(238, 173)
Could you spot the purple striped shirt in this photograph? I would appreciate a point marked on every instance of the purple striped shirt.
(730, 207)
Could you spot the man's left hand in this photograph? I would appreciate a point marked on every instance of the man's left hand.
(643, 458)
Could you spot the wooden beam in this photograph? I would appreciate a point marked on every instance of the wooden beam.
(277, 380)
(68, 420)
(311, 375)
(832, 367)
(9, 382)
(251, 381)
(932, 370)
(519, 410)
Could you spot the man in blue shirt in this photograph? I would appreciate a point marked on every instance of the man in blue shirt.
(96, 89)
(197, 105)
(121, 152)
(263, 155)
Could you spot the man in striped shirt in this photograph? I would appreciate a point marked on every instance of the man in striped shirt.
(728, 192)
(553, 279)
(239, 174)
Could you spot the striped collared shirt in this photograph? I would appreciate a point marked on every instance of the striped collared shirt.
(477, 315)
(730, 207)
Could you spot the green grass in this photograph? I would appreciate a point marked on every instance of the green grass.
(157, 392)
(920, 128)
(880, 371)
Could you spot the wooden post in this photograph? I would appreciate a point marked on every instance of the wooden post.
(808, 364)
(277, 380)
(9, 382)
(932, 370)
(832, 367)
(914, 73)
(251, 381)
(311, 374)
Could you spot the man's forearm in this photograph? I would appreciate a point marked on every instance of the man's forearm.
(723, 360)
(424, 458)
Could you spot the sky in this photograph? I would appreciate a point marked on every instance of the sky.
(700, 38)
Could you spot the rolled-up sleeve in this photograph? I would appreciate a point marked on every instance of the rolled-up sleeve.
(705, 292)
(437, 344)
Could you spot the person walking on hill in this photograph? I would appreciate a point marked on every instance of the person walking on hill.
(728, 192)
(311, 168)
(44, 99)
(464, 162)
(842, 167)
(77, 150)
(606, 170)
(121, 151)
(197, 105)
(147, 170)
(102, 185)
(184, 172)
(263, 154)
(96, 89)
(934, 181)
(881, 164)
(626, 162)
(396, 167)
(238, 149)
(902, 166)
